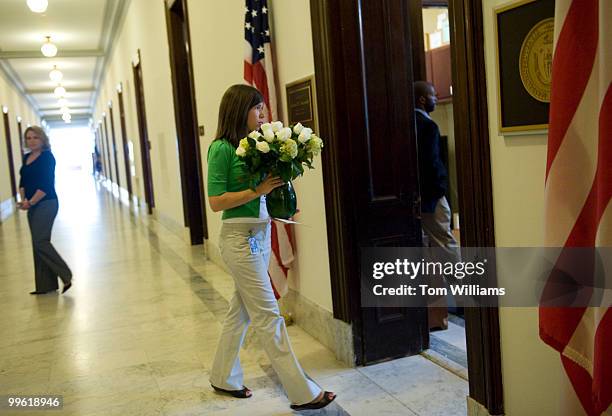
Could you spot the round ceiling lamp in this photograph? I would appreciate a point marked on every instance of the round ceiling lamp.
(62, 102)
(66, 117)
(55, 75)
(48, 49)
(38, 6)
(59, 91)
(65, 110)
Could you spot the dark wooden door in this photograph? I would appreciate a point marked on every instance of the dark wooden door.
(112, 127)
(145, 144)
(126, 149)
(108, 151)
(102, 150)
(9, 153)
(22, 143)
(185, 115)
(364, 75)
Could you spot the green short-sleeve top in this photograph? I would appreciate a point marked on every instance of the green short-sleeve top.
(227, 173)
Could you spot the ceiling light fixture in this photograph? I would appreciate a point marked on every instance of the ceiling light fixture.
(48, 49)
(66, 117)
(38, 6)
(59, 91)
(65, 110)
(55, 75)
(62, 102)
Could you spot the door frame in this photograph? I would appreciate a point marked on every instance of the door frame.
(108, 151)
(474, 178)
(186, 120)
(126, 150)
(102, 150)
(143, 133)
(22, 144)
(112, 128)
(9, 151)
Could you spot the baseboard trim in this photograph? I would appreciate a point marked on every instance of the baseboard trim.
(476, 409)
(173, 226)
(321, 325)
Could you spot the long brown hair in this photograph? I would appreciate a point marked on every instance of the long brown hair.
(40, 132)
(234, 112)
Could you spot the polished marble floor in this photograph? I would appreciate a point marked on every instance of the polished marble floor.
(136, 333)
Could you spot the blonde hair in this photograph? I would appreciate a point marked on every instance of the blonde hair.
(40, 133)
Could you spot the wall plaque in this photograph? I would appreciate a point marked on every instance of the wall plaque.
(524, 46)
(301, 106)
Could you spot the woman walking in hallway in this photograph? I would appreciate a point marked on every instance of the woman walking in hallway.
(245, 248)
(38, 197)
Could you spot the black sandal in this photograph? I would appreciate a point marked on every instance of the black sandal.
(325, 400)
(239, 394)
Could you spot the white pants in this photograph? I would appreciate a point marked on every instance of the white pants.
(254, 301)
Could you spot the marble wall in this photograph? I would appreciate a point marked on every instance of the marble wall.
(320, 324)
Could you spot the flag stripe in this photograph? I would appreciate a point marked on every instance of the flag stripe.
(604, 172)
(572, 65)
(581, 381)
(258, 78)
(602, 386)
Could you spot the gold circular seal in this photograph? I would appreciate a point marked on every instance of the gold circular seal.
(535, 60)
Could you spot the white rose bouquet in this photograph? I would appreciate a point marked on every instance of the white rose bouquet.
(279, 150)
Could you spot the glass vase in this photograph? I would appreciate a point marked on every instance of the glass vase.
(282, 202)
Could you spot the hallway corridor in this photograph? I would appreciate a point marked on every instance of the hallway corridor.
(136, 333)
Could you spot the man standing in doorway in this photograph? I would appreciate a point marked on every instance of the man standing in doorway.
(433, 176)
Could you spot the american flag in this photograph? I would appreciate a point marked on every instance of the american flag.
(259, 72)
(258, 66)
(578, 190)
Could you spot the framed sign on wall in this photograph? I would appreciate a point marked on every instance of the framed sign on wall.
(524, 52)
(301, 105)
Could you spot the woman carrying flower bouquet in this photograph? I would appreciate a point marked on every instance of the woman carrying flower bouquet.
(245, 247)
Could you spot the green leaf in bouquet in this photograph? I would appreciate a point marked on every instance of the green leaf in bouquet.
(285, 170)
(297, 168)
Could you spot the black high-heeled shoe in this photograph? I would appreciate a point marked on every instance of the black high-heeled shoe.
(245, 393)
(40, 292)
(66, 287)
(327, 398)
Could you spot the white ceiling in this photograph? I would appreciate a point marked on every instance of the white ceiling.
(82, 30)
